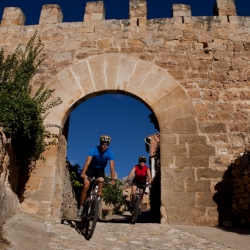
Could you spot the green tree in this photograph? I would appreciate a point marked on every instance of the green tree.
(22, 115)
(112, 195)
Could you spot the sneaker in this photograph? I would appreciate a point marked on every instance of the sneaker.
(79, 212)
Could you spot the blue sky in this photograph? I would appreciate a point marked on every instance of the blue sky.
(124, 118)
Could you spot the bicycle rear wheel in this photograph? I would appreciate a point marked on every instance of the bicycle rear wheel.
(91, 219)
(135, 210)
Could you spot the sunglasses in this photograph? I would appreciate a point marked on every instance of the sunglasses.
(105, 144)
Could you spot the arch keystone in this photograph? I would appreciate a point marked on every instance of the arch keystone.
(96, 69)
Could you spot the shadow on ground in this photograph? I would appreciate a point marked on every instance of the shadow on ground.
(238, 230)
(125, 218)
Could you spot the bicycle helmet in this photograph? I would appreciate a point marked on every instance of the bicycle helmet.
(105, 138)
(142, 159)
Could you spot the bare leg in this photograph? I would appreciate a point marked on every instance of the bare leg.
(100, 185)
(133, 190)
(141, 193)
(84, 191)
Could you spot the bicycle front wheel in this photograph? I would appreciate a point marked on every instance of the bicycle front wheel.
(91, 218)
(135, 210)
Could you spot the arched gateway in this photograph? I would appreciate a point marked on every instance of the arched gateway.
(184, 198)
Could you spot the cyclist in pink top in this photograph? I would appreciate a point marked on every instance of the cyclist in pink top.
(142, 175)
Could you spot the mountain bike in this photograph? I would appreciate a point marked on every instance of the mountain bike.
(90, 209)
(136, 199)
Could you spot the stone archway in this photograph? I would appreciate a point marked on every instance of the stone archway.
(178, 130)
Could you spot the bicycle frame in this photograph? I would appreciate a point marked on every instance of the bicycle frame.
(90, 210)
(136, 199)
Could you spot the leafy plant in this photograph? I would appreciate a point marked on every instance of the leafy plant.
(112, 195)
(22, 115)
(75, 178)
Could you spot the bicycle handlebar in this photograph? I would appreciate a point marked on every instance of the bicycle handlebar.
(93, 179)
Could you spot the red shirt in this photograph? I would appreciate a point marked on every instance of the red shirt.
(141, 174)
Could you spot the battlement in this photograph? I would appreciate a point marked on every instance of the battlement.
(95, 12)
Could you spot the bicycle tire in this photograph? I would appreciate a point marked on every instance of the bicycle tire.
(135, 211)
(83, 218)
(91, 219)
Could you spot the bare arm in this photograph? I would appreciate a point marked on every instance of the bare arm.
(131, 173)
(149, 175)
(112, 169)
(86, 166)
(112, 172)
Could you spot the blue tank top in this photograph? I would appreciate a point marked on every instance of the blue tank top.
(99, 158)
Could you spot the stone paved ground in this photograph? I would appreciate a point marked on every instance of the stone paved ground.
(114, 234)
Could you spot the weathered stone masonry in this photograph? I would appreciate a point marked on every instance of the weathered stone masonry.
(192, 72)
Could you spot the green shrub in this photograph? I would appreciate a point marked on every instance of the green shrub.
(21, 114)
(112, 195)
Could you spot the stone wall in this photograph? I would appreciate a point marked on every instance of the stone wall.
(192, 72)
(9, 203)
(69, 202)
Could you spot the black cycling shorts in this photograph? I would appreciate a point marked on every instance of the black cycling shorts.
(95, 172)
(141, 185)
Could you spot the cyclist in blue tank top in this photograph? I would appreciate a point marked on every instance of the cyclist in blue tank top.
(94, 166)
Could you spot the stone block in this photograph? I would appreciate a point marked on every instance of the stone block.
(168, 139)
(125, 72)
(207, 173)
(173, 180)
(225, 8)
(138, 76)
(33, 183)
(192, 139)
(168, 95)
(205, 199)
(40, 172)
(178, 199)
(29, 206)
(180, 111)
(41, 195)
(192, 161)
(181, 10)
(47, 183)
(185, 215)
(137, 9)
(182, 126)
(83, 76)
(192, 185)
(167, 162)
(213, 128)
(112, 62)
(173, 150)
(200, 150)
(156, 75)
(51, 13)
(45, 208)
(96, 69)
(13, 16)
(94, 11)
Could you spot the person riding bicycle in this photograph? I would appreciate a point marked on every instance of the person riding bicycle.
(94, 166)
(142, 175)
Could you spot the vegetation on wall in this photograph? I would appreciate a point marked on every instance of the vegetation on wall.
(21, 114)
(75, 172)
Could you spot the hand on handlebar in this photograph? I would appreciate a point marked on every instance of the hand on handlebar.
(112, 182)
(149, 185)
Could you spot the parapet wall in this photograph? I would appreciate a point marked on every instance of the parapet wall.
(95, 12)
(209, 60)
